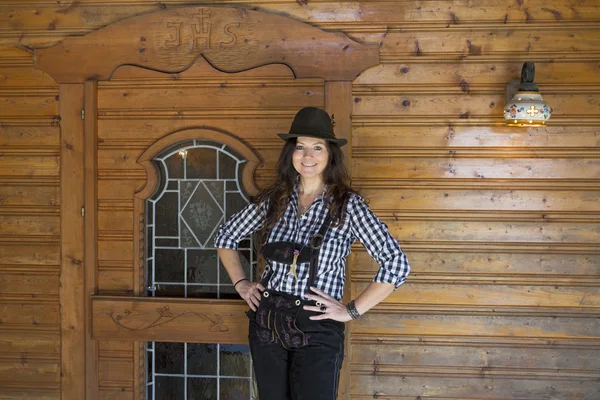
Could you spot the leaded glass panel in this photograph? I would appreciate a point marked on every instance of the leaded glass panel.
(198, 189)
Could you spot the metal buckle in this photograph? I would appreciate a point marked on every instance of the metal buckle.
(318, 237)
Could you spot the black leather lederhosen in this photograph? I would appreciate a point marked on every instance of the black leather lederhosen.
(277, 312)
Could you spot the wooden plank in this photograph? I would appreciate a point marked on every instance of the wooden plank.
(47, 136)
(115, 281)
(114, 370)
(43, 254)
(551, 358)
(487, 327)
(463, 75)
(40, 344)
(118, 189)
(90, 234)
(27, 196)
(383, 133)
(567, 232)
(115, 250)
(516, 168)
(467, 195)
(29, 166)
(366, 15)
(29, 225)
(257, 128)
(15, 104)
(467, 387)
(115, 393)
(116, 346)
(467, 105)
(72, 277)
(26, 371)
(214, 96)
(169, 319)
(580, 298)
(575, 267)
(29, 393)
(31, 284)
(501, 40)
(123, 158)
(29, 314)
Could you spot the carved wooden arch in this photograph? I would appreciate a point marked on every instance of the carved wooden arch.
(253, 160)
(231, 39)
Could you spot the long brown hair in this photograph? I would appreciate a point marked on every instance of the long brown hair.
(335, 177)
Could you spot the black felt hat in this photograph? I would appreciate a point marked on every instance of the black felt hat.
(313, 122)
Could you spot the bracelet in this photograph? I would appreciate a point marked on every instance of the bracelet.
(351, 308)
(243, 279)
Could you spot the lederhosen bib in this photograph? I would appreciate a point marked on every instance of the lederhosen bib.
(277, 312)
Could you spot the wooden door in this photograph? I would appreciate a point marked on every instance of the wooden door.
(177, 154)
(144, 85)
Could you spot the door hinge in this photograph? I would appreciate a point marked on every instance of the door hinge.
(82, 114)
(83, 211)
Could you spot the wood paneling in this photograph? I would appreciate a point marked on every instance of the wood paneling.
(29, 231)
(500, 224)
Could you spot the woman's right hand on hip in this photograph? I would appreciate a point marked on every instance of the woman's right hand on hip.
(251, 292)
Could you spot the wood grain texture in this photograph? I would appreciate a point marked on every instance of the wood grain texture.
(72, 277)
(231, 39)
(169, 320)
(500, 224)
(90, 229)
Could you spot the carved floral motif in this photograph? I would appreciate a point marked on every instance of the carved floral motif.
(166, 316)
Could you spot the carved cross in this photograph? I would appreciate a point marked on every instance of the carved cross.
(202, 31)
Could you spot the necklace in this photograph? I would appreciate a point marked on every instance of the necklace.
(302, 209)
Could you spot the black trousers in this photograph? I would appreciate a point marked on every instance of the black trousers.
(311, 372)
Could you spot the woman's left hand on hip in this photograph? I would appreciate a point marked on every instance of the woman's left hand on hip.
(329, 307)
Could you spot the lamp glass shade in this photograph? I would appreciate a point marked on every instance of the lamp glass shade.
(527, 109)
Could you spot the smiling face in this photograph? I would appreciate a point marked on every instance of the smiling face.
(310, 157)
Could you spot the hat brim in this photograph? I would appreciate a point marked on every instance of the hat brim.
(286, 136)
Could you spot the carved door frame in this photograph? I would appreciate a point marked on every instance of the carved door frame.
(232, 40)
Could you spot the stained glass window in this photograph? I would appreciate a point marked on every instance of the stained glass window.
(199, 188)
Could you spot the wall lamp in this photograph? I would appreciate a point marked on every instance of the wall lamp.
(525, 107)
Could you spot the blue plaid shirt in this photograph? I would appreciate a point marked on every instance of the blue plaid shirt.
(361, 224)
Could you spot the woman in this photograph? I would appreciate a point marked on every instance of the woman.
(308, 220)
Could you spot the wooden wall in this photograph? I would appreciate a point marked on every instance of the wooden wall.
(500, 224)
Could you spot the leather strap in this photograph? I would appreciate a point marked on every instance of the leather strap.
(315, 248)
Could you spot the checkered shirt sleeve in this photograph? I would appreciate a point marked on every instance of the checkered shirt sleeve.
(240, 225)
(380, 244)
